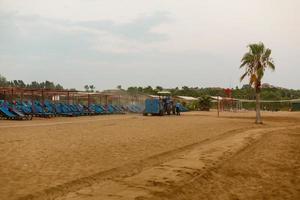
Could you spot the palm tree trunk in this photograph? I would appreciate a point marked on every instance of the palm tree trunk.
(258, 116)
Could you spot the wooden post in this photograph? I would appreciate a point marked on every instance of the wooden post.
(43, 97)
(218, 107)
(12, 95)
(22, 95)
(68, 97)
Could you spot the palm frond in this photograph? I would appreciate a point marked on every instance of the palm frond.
(260, 73)
(267, 54)
(261, 47)
(253, 48)
(255, 61)
(257, 49)
(244, 63)
(243, 76)
(271, 65)
(247, 59)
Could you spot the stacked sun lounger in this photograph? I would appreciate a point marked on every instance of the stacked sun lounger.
(182, 108)
(47, 109)
(11, 111)
(134, 108)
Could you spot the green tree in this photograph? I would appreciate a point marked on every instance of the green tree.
(87, 88)
(255, 62)
(60, 87)
(49, 85)
(204, 103)
(21, 84)
(148, 90)
(92, 88)
(3, 81)
(34, 85)
(132, 90)
(159, 88)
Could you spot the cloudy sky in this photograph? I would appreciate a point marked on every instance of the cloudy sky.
(146, 42)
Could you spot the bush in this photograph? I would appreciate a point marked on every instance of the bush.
(204, 103)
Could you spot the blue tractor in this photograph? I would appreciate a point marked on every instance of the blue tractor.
(159, 106)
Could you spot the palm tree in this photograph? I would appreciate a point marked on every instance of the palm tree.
(87, 88)
(92, 88)
(204, 103)
(255, 62)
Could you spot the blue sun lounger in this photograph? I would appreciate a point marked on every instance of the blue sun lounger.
(84, 110)
(20, 114)
(38, 110)
(5, 113)
(49, 107)
(73, 108)
(96, 109)
(61, 110)
(119, 109)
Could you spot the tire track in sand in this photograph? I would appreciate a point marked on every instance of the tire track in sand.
(125, 171)
(159, 181)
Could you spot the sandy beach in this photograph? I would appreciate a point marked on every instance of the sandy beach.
(194, 156)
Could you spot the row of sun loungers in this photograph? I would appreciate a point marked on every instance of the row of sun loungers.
(27, 109)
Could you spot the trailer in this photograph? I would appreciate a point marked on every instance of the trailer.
(154, 107)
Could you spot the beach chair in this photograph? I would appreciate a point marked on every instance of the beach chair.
(182, 108)
(110, 109)
(100, 109)
(24, 108)
(39, 111)
(6, 114)
(96, 110)
(104, 108)
(20, 114)
(118, 109)
(121, 108)
(83, 109)
(49, 107)
(73, 108)
(62, 111)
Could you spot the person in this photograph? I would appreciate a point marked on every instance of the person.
(177, 108)
(173, 108)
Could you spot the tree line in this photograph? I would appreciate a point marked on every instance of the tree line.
(33, 85)
(245, 92)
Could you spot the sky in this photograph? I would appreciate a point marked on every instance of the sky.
(165, 43)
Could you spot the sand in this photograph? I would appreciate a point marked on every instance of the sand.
(194, 156)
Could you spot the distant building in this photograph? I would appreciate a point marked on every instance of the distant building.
(186, 98)
(267, 85)
(246, 86)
